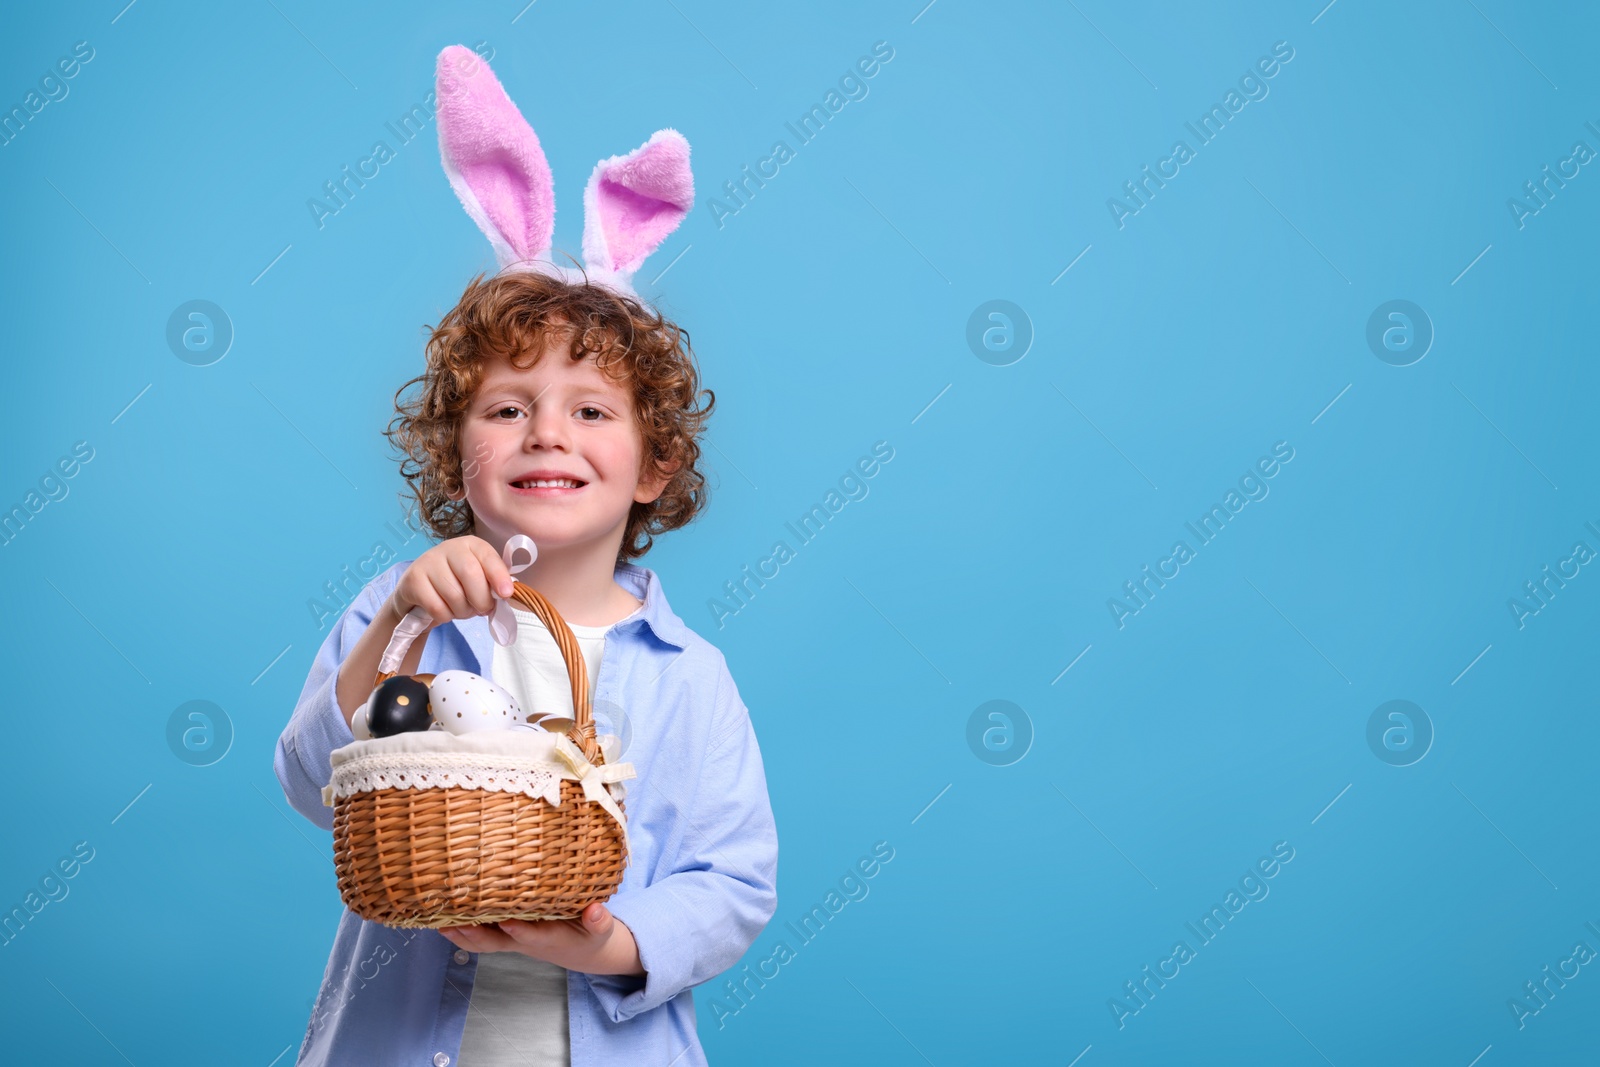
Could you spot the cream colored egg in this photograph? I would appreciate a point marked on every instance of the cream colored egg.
(358, 721)
(556, 724)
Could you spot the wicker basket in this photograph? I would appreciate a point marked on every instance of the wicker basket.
(433, 857)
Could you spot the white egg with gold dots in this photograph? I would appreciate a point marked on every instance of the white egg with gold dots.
(467, 703)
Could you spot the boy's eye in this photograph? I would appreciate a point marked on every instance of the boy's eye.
(588, 414)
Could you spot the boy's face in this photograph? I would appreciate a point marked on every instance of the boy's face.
(556, 419)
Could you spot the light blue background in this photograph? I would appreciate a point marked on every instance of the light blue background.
(827, 315)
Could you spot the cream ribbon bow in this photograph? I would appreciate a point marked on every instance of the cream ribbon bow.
(503, 622)
(594, 780)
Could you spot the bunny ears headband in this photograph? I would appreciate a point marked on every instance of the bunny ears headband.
(493, 160)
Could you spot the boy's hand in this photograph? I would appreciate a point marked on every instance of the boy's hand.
(597, 943)
(452, 580)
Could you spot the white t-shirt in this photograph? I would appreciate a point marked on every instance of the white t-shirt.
(518, 1011)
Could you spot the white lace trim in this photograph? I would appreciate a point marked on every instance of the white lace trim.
(446, 770)
(518, 761)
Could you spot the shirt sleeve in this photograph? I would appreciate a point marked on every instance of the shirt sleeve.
(317, 726)
(696, 922)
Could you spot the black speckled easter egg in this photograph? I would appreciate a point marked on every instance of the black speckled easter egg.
(399, 706)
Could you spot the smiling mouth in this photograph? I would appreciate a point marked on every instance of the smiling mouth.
(548, 487)
(549, 483)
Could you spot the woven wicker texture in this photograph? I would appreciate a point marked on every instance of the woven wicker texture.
(448, 857)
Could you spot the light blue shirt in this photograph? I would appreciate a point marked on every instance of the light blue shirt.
(700, 886)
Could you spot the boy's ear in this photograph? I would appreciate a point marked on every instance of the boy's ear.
(652, 483)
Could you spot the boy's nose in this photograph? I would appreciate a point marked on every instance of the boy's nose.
(547, 428)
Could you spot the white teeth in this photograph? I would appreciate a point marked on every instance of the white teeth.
(561, 483)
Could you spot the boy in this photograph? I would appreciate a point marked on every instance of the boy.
(567, 413)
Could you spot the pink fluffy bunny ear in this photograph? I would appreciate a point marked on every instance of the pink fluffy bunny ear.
(493, 159)
(633, 203)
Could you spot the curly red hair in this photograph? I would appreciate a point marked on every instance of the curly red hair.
(511, 315)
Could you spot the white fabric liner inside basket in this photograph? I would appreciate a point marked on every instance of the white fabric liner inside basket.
(527, 761)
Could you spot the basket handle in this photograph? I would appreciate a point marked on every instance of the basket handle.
(417, 622)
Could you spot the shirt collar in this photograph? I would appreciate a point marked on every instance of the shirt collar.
(656, 615)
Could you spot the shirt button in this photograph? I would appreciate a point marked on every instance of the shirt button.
(441, 1059)
(461, 956)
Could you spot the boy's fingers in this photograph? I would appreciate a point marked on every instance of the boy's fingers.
(479, 938)
(519, 930)
(474, 583)
(450, 593)
(530, 933)
(397, 610)
(426, 599)
(436, 608)
(495, 570)
(595, 921)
